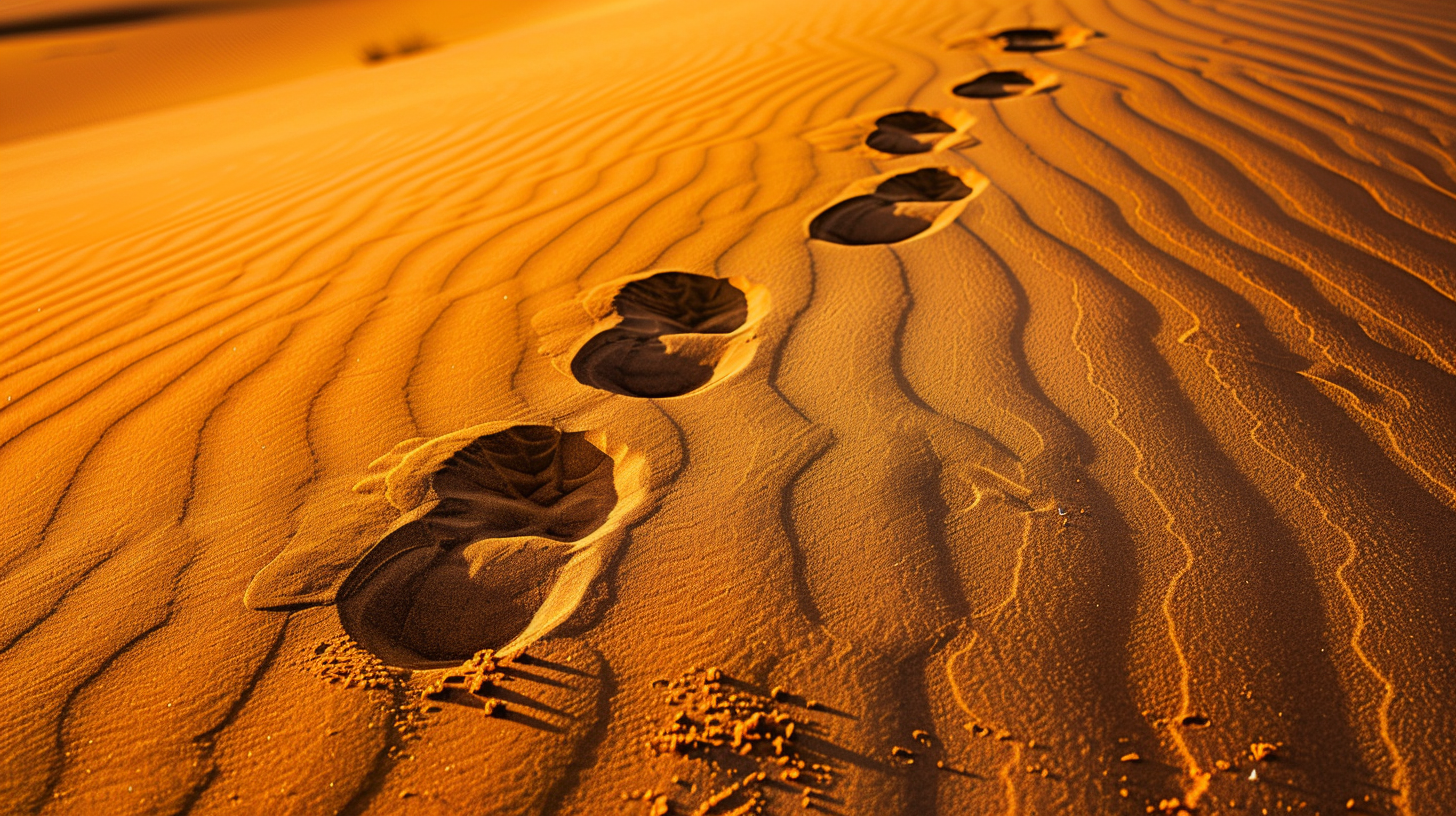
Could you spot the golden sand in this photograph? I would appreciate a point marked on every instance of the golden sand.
(763, 406)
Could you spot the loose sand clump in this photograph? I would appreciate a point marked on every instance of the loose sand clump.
(733, 730)
(341, 660)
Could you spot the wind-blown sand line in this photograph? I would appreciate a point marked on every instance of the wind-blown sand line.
(183, 505)
(1284, 54)
(1370, 243)
(1390, 430)
(414, 178)
(591, 207)
(101, 434)
(1270, 247)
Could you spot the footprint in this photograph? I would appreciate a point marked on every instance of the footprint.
(898, 133)
(896, 207)
(503, 527)
(906, 132)
(1026, 40)
(473, 570)
(655, 335)
(1001, 84)
(632, 359)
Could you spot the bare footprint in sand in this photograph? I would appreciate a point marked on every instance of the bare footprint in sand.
(1029, 40)
(895, 207)
(886, 135)
(503, 529)
(1002, 84)
(656, 335)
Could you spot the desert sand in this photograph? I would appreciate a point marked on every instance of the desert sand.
(762, 406)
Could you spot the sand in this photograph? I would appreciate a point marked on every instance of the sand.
(930, 406)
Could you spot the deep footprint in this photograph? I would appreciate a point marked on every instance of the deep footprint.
(1029, 40)
(472, 571)
(631, 358)
(897, 210)
(995, 85)
(897, 133)
(903, 132)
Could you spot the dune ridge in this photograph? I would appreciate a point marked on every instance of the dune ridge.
(1141, 457)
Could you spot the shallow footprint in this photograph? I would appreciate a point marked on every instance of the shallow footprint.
(896, 207)
(501, 530)
(1001, 84)
(662, 334)
(1028, 40)
(898, 133)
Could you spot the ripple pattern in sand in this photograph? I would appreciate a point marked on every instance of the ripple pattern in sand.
(1153, 430)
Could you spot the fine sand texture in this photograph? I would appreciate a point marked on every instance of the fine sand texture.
(747, 407)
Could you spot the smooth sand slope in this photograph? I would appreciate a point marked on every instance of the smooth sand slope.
(65, 63)
(1098, 442)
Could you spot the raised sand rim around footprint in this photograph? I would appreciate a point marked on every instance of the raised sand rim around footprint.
(907, 132)
(632, 359)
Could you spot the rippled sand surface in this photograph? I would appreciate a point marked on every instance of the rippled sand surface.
(915, 407)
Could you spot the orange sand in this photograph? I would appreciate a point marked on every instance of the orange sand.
(481, 430)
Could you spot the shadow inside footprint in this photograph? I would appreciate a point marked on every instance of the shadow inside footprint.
(904, 132)
(907, 132)
(995, 84)
(632, 359)
(901, 207)
(1029, 40)
(471, 569)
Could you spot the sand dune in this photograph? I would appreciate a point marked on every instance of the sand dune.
(67, 63)
(597, 417)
